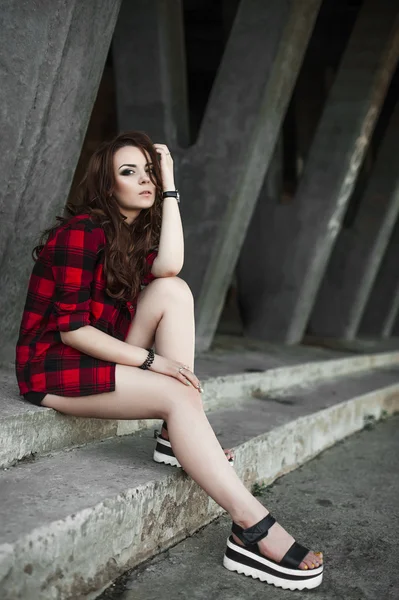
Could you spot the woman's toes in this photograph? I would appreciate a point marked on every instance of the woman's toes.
(310, 560)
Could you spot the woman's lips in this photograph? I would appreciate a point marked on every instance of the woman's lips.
(147, 193)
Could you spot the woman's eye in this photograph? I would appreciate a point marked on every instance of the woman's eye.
(127, 172)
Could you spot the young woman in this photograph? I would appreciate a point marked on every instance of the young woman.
(104, 290)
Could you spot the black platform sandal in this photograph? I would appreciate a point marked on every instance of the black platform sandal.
(249, 561)
(163, 452)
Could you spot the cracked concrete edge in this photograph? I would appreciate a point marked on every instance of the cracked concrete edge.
(77, 557)
(41, 431)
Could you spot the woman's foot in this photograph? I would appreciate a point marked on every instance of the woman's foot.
(276, 544)
(228, 452)
(267, 552)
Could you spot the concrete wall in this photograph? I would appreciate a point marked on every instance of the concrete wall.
(298, 237)
(53, 55)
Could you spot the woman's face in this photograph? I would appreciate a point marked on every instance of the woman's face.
(133, 189)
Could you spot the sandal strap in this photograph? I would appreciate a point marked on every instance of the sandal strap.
(253, 535)
(295, 555)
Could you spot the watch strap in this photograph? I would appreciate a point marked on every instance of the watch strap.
(172, 194)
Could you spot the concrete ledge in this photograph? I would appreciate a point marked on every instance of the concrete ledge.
(76, 557)
(26, 430)
(43, 430)
(234, 386)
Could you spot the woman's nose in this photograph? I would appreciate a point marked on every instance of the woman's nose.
(144, 177)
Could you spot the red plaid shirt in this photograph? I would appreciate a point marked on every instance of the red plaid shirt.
(67, 291)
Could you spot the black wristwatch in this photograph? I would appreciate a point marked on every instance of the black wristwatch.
(174, 194)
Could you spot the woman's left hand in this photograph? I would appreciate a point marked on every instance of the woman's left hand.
(168, 179)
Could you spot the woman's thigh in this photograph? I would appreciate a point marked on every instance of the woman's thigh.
(152, 303)
(138, 394)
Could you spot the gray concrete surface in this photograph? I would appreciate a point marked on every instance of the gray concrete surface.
(241, 366)
(384, 293)
(252, 281)
(151, 92)
(344, 502)
(236, 142)
(53, 56)
(85, 476)
(359, 249)
(86, 515)
(300, 235)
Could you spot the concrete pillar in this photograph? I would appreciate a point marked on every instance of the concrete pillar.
(53, 55)
(390, 319)
(309, 99)
(221, 176)
(383, 303)
(252, 280)
(298, 237)
(150, 70)
(395, 328)
(359, 249)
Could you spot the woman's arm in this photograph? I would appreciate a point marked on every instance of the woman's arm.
(169, 261)
(75, 254)
(98, 344)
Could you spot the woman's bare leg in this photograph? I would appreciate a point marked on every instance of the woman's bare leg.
(165, 316)
(144, 394)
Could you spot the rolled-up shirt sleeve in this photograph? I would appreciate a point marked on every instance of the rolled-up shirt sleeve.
(150, 260)
(74, 261)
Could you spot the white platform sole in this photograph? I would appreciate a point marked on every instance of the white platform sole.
(286, 584)
(167, 460)
(268, 571)
(163, 457)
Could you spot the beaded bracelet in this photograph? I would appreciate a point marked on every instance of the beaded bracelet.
(149, 360)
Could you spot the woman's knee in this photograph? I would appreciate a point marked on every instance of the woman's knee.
(172, 287)
(189, 399)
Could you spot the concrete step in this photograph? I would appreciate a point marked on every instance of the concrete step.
(26, 430)
(331, 504)
(74, 521)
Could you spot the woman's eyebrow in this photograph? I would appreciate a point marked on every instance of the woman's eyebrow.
(149, 164)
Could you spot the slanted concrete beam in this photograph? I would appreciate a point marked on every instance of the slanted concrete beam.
(53, 56)
(298, 238)
(150, 70)
(389, 322)
(383, 303)
(252, 280)
(358, 251)
(395, 328)
(222, 175)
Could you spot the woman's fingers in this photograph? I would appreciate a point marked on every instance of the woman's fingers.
(185, 375)
(162, 149)
(166, 163)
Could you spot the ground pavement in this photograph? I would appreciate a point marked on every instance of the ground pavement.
(344, 502)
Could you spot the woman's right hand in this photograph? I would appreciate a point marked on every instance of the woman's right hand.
(175, 369)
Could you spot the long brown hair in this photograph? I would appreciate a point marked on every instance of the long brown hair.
(127, 245)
